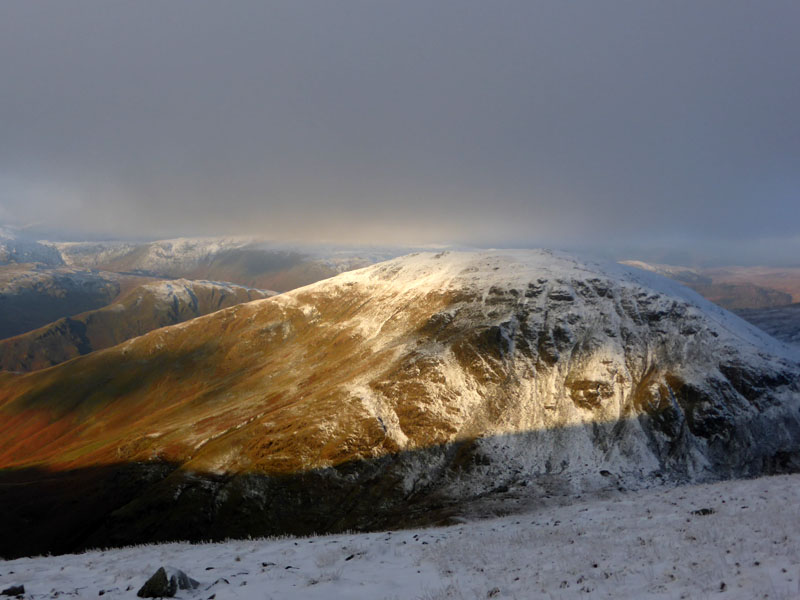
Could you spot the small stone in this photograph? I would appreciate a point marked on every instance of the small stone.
(702, 512)
(14, 590)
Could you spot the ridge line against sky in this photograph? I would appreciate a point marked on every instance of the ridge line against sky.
(582, 124)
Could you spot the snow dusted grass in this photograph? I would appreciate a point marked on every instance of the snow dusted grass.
(647, 544)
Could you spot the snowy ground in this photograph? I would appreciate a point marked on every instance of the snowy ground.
(647, 544)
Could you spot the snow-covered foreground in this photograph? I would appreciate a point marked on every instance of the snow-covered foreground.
(648, 544)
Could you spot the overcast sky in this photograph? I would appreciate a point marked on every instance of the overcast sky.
(670, 124)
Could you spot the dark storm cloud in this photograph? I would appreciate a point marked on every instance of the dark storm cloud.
(490, 122)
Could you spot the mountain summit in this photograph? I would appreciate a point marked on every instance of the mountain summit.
(399, 393)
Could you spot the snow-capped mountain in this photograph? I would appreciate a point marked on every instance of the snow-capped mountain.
(142, 309)
(401, 393)
(17, 248)
(180, 254)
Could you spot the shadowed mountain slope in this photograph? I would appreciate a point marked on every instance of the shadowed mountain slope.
(32, 295)
(436, 378)
(143, 309)
(781, 322)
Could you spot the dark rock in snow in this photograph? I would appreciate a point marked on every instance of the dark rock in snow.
(14, 590)
(164, 583)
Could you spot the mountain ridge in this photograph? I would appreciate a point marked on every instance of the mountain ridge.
(136, 312)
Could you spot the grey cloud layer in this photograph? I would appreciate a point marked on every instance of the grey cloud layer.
(490, 122)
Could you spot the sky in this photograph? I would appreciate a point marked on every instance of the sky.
(617, 124)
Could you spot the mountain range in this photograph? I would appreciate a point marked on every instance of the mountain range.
(401, 393)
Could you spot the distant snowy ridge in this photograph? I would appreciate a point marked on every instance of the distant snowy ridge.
(150, 256)
(247, 261)
(185, 290)
(17, 248)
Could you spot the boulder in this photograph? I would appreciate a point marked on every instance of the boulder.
(165, 582)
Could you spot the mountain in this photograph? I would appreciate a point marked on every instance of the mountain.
(785, 280)
(242, 261)
(36, 287)
(734, 288)
(686, 275)
(42, 281)
(143, 309)
(17, 248)
(394, 395)
(742, 296)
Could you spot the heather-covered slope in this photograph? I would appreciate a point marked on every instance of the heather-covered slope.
(143, 309)
(425, 381)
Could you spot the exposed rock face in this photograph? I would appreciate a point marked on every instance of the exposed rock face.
(399, 392)
(14, 590)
